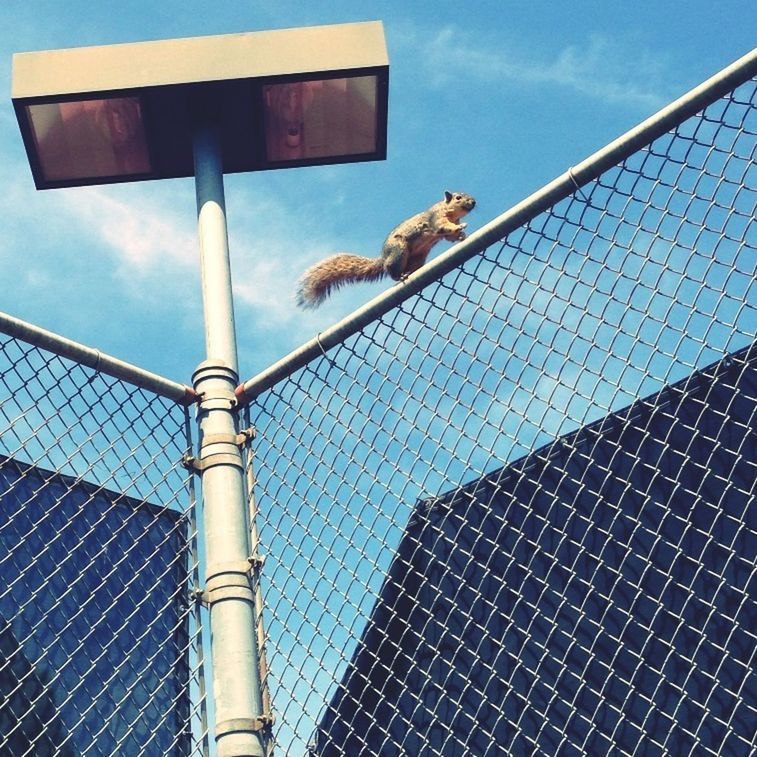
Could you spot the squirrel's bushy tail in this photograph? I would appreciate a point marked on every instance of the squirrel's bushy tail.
(318, 282)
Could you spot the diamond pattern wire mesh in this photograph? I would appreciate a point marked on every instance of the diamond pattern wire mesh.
(100, 646)
(602, 600)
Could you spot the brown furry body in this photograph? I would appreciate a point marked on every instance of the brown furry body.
(405, 251)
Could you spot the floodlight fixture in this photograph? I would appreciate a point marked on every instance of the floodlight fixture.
(203, 107)
(129, 112)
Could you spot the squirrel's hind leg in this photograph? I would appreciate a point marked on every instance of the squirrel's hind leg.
(394, 256)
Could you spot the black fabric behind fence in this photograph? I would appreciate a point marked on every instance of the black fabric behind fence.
(93, 614)
(595, 596)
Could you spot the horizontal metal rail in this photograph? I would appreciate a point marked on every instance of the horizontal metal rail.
(565, 185)
(95, 359)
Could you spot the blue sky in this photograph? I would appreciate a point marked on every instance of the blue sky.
(494, 99)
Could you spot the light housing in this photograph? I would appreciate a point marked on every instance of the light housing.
(292, 97)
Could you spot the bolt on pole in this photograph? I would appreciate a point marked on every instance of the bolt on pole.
(240, 722)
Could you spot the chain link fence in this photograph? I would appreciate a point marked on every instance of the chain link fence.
(514, 513)
(511, 514)
(100, 643)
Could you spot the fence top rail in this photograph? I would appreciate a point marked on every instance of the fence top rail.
(560, 188)
(96, 360)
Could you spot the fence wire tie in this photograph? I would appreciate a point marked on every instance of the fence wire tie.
(323, 351)
(579, 191)
(95, 368)
(257, 562)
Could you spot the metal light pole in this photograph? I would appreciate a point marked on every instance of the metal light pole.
(129, 112)
(240, 721)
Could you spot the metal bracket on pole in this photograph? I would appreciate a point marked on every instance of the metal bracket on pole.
(199, 464)
(241, 439)
(228, 580)
(218, 400)
(260, 723)
(190, 462)
(256, 563)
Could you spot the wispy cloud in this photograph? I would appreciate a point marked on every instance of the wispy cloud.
(599, 68)
(269, 251)
(129, 254)
(143, 235)
(149, 235)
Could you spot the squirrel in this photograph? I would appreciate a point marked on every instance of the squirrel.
(405, 251)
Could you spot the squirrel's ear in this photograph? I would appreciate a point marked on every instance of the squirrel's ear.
(447, 196)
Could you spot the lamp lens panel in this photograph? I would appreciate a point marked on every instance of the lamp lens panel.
(329, 118)
(90, 139)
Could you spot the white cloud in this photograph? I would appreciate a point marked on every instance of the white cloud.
(79, 257)
(152, 242)
(271, 244)
(142, 234)
(600, 68)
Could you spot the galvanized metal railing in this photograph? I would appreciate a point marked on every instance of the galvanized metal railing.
(508, 506)
(101, 648)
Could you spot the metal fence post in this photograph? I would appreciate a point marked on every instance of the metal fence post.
(239, 718)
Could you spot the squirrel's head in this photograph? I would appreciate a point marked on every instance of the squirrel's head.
(459, 200)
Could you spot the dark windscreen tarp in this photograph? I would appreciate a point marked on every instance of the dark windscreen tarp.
(593, 597)
(93, 619)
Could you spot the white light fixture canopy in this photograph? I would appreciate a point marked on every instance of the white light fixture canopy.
(293, 97)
